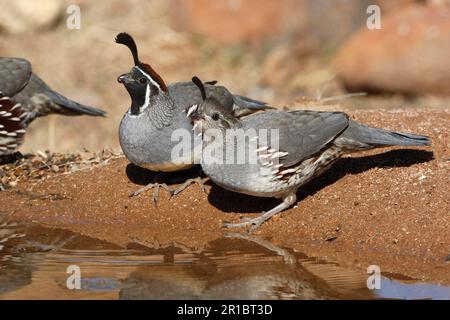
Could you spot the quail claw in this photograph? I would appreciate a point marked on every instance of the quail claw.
(254, 222)
(155, 196)
(187, 183)
(228, 225)
(237, 225)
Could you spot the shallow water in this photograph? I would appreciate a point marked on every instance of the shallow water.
(34, 264)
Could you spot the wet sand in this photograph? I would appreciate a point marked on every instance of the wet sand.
(388, 207)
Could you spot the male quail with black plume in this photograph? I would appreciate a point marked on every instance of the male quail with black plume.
(158, 109)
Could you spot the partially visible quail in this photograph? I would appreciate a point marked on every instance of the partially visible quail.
(23, 98)
(309, 143)
(158, 109)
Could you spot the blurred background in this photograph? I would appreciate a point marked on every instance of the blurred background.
(279, 51)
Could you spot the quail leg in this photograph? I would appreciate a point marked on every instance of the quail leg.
(258, 221)
(153, 185)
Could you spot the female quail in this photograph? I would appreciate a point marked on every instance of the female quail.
(23, 98)
(309, 143)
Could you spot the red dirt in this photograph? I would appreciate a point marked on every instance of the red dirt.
(387, 207)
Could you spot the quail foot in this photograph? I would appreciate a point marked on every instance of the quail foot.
(301, 145)
(23, 98)
(157, 112)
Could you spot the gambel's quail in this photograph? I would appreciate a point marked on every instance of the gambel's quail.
(23, 98)
(158, 109)
(309, 143)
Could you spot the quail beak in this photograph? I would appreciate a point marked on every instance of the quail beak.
(198, 127)
(125, 78)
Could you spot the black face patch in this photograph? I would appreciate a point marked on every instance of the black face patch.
(137, 88)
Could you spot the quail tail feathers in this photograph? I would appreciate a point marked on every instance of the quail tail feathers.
(69, 107)
(244, 106)
(367, 137)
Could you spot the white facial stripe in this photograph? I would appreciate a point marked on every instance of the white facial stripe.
(148, 77)
(144, 106)
(191, 110)
(147, 98)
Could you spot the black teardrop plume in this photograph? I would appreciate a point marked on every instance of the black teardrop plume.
(127, 40)
(200, 85)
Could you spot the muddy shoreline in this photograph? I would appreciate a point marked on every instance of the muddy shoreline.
(388, 207)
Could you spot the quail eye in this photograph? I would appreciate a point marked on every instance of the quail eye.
(143, 80)
(215, 116)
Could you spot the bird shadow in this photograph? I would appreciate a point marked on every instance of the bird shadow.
(11, 158)
(228, 201)
(143, 177)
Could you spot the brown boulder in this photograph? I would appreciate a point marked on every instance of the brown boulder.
(234, 21)
(410, 54)
(231, 21)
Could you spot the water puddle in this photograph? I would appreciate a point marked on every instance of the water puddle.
(34, 262)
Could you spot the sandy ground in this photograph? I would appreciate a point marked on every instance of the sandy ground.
(388, 207)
